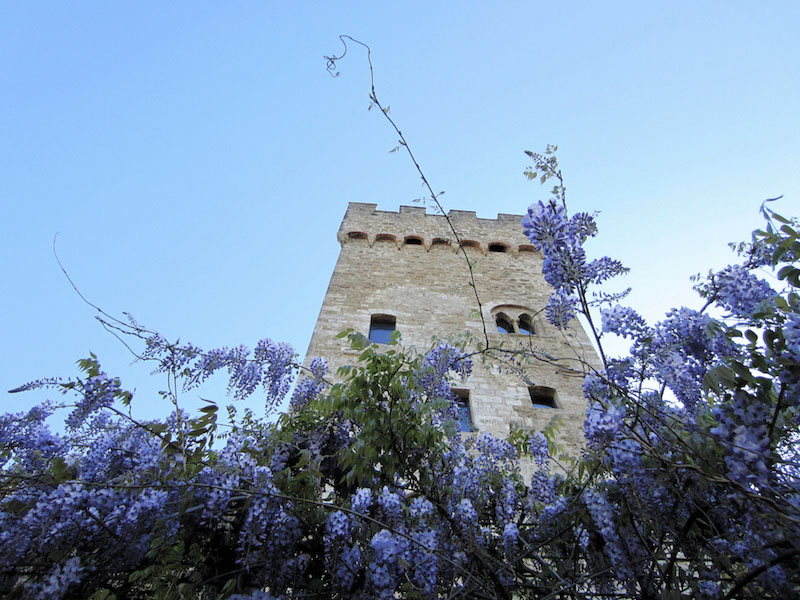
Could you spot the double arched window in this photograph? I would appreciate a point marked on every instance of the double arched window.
(514, 319)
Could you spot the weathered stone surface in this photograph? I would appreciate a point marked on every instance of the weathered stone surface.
(426, 288)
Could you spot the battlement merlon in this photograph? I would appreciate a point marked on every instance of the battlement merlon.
(365, 220)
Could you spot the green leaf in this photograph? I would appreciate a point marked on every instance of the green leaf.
(157, 428)
(769, 338)
(786, 271)
(780, 218)
(103, 594)
(60, 470)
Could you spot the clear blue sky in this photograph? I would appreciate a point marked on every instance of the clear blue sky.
(196, 158)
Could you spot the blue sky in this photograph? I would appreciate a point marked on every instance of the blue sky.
(196, 159)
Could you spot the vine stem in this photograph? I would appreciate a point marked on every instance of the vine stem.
(373, 96)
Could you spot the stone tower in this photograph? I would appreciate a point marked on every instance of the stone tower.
(403, 270)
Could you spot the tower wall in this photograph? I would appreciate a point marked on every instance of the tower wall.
(426, 287)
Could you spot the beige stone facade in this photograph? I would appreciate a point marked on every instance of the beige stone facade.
(407, 266)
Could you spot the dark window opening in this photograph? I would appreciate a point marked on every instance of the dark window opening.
(440, 242)
(497, 248)
(503, 324)
(542, 397)
(357, 235)
(381, 328)
(464, 413)
(413, 241)
(526, 325)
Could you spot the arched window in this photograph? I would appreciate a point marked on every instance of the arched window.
(525, 325)
(413, 240)
(385, 237)
(498, 247)
(381, 328)
(357, 235)
(439, 243)
(542, 397)
(503, 323)
(471, 244)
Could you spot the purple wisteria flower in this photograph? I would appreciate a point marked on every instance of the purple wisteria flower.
(791, 334)
(390, 506)
(546, 226)
(740, 292)
(538, 447)
(98, 392)
(561, 308)
(624, 321)
(309, 386)
(272, 366)
(437, 365)
(466, 515)
(603, 516)
(743, 426)
(58, 581)
(602, 423)
(361, 500)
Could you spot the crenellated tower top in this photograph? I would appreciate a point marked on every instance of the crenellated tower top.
(415, 226)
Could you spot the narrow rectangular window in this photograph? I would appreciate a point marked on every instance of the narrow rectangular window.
(464, 412)
(381, 328)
